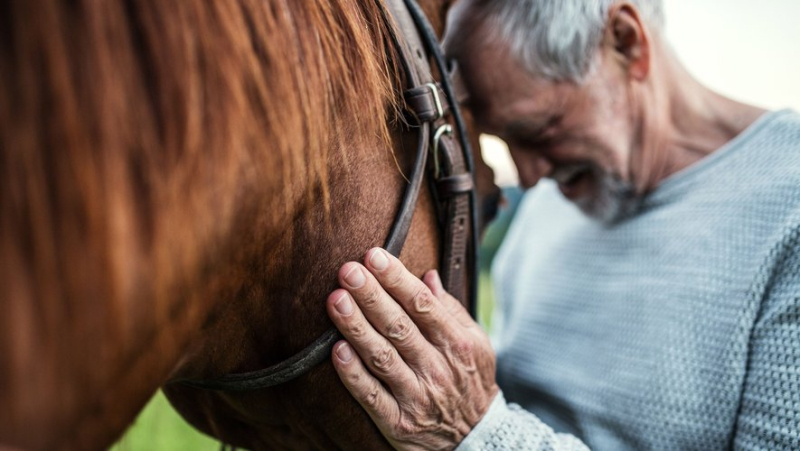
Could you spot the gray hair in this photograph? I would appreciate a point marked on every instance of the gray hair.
(556, 39)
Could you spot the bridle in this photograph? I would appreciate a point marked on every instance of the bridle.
(429, 104)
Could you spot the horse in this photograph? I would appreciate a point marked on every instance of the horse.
(179, 182)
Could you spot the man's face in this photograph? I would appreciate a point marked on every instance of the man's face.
(579, 135)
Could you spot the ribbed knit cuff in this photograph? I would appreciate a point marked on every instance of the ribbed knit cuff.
(483, 431)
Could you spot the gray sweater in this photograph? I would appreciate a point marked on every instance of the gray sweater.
(677, 328)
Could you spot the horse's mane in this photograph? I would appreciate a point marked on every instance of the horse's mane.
(139, 130)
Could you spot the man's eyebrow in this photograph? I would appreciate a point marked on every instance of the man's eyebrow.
(528, 127)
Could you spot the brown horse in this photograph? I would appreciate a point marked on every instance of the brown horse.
(179, 181)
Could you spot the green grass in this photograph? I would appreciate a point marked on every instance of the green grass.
(159, 427)
(485, 300)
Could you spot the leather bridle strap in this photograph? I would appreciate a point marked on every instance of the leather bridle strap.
(434, 48)
(453, 187)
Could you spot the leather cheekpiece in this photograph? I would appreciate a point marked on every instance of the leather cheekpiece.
(422, 104)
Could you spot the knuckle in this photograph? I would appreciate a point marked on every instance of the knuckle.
(370, 296)
(357, 329)
(462, 355)
(384, 359)
(354, 378)
(400, 329)
(423, 300)
(372, 398)
(462, 349)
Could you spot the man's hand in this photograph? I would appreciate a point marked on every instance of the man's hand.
(414, 359)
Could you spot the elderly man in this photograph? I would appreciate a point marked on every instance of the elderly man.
(661, 313)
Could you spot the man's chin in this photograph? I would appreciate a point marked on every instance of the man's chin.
(603, 212)
(611, 202)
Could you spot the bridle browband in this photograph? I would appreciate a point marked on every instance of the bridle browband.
(428, 103)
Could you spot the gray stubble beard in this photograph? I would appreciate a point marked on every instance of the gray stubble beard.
(613, 199)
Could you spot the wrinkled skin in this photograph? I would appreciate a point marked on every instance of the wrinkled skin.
(423, 353)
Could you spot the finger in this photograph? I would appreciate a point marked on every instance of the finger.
(414, 296)
(468, 360)
(385, 314)
(453, 305)
(379, 355)
(365, 388)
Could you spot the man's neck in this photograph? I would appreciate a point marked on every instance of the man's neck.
(697, 121)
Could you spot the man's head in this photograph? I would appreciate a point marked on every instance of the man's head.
(568, 85)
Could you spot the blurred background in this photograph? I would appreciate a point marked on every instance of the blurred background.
(746, 50)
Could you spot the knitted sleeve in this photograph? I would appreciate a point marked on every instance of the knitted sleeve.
(510, 427)
(769, 412)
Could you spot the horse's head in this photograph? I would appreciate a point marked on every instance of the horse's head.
(314, 410)
(180, 182)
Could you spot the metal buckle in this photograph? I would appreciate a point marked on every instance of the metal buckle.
(436, 100)
(444, 129)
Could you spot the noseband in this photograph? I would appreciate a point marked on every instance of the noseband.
(430, 105)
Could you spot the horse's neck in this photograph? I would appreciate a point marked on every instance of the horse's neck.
(282, 308)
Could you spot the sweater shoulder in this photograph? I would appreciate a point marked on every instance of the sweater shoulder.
(769, 173)
(756, 176)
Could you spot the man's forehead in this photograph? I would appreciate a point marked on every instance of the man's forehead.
(497, 86)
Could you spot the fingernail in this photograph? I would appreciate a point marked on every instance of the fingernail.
(355, 278)
(343, 305)
(344, 352)
(379, 260)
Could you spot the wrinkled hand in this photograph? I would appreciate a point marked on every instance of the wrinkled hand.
(414, 359)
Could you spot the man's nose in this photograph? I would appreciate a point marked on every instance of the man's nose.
(532, 168)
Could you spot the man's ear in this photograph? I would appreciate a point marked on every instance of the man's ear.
(628, 39)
